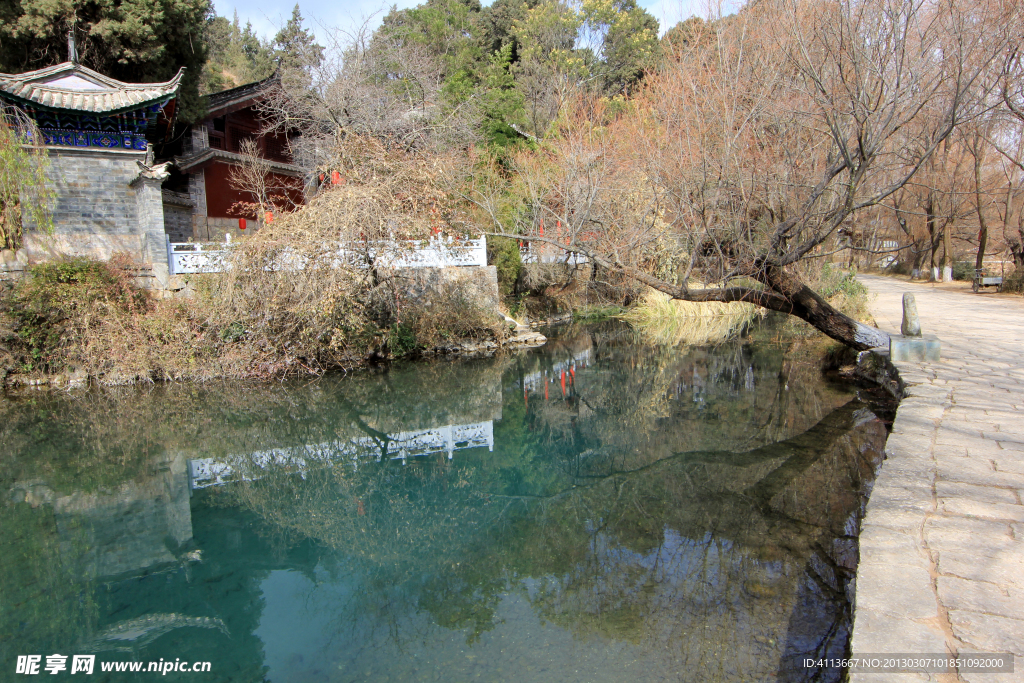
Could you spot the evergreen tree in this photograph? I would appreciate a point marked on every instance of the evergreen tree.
(236, 55)
(129, 40)
(295, 47)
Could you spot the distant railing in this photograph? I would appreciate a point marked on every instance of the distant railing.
(549, 254)
(196, 257)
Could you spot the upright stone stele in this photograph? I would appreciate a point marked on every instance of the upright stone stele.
(911, 323)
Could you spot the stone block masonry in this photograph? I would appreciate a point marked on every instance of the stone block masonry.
(476, 287)
(100, 208)
(942, 544)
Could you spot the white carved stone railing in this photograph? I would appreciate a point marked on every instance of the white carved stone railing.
(205, 472)
(196, 257)
(189, 257)
(549, 254)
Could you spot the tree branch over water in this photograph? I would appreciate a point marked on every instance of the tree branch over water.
(753, 145)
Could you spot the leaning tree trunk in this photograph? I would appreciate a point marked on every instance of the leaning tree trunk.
(783, 291)
(806, 304)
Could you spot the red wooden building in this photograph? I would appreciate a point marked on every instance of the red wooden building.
(210, 207)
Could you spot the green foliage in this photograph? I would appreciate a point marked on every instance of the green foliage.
(22, 176)
(686, 34)
(136, 42)
(295, 48)
(842, 290)
(504, 256)
(630, 45)
(402, 341)
(963, 271)
(237, 55)
(232, 332)
(593, 314)
(499, 19)
(450, 33)
(833, 281)
(50, 306)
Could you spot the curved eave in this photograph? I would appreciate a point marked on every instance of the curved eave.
(29, 94)
(209, 155)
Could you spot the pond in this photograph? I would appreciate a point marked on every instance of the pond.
(598, 509)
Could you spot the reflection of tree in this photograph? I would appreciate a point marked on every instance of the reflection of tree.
(697, 550)
(634, 405)
(45, 601)
(680, 500)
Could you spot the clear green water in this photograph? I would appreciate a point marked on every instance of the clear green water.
(670, 514)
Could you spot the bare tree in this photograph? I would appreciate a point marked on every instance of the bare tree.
(754, 145)
(367, 83)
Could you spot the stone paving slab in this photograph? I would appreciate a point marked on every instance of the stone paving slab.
(942, 543)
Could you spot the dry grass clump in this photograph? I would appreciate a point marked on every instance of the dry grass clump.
(87, 318)
(663, 320)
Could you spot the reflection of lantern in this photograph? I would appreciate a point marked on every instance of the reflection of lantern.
(241, 224)
(268, 217)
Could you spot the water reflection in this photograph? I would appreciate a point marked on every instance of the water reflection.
(594, 510)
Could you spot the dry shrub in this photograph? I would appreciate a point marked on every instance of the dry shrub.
(663, 320)
(1014, 282)
(85, 317)
(452, 314)
(318, 281)
(289, 302)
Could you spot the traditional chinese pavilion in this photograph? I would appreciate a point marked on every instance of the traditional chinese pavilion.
(99, 132)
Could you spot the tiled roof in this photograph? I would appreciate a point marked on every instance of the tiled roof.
(243, 93)
(75, 87)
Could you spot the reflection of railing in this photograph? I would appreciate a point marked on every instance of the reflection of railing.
(188, 257)
(205, 472)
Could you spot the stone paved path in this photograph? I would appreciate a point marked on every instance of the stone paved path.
(942, 545)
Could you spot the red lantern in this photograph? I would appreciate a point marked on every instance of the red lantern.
(335, 178)
(268, 217)
(241, 224)
(541, 227)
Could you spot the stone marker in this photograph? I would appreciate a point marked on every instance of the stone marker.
(911, 346)
(911, 323)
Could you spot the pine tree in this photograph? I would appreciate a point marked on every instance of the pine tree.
(131, 41)
(295, 47)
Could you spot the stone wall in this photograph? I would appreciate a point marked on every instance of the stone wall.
(478, 286)
(101, 208)
(177, 216)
